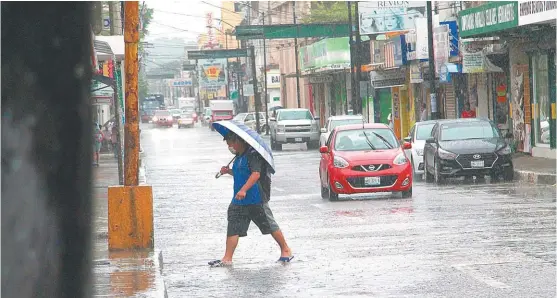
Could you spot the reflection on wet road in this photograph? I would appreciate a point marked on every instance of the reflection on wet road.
(466, 240)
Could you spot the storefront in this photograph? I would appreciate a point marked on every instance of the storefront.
(537, 21)
(391, 99)
(327, 64)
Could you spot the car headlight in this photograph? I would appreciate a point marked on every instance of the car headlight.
(505, 150)
(444, 154)
(314, 127)
(339, 162)
(155, 118)
(400, 159)
(420, 152)
(280, 128)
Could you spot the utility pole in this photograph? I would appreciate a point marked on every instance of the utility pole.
(352, 59)
(265, 82)
(256, 95)
(111, 17)
(432, 91)
(131, 135)
(296, 56)
(358, 62)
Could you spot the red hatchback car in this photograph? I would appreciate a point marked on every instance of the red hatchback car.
(364, 159)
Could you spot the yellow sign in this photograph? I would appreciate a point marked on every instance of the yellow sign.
(212, 72)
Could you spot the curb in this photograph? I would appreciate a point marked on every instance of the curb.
(534, 177)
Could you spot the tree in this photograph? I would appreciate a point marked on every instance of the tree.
(328, 12)
(146, 16)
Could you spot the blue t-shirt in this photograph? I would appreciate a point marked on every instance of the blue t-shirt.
(242, 169)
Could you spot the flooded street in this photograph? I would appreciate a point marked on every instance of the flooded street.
(456, 240)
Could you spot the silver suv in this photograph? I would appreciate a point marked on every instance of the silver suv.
(294, 126)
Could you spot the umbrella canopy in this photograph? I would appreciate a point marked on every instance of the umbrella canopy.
(251, 137)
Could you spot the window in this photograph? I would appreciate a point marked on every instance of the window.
(424, 131)
(541, 98)
(411, 133)
(249, 117)
(240, 117)
(468, 131)
(294, 115)
(365, 139)
(328, 143)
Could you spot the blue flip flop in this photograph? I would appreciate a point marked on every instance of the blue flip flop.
(285, 259)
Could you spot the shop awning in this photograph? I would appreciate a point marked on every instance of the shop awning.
(113, 47)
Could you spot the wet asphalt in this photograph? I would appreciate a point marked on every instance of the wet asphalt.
(479, 239)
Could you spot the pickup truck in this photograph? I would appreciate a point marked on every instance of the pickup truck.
(294, 126)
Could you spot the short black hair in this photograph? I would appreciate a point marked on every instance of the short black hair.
(230, 136)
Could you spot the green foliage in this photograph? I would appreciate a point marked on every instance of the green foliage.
(146, 16)
(329, 12)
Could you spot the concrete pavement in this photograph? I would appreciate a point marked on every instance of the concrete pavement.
(466, 240)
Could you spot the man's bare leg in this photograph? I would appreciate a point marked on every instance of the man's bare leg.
(279, 238)
(231, 243)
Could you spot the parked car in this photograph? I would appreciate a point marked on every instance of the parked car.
(419, 133)
(294, 126)
(335, 121)
(249, 120)
(186, 120)
(364, 159)
(467, 147)
(163, 118)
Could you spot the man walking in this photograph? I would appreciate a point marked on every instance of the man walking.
(252, 190)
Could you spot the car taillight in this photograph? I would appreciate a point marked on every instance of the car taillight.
(155, 119)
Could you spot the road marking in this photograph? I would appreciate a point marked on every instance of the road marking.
(481, 277)
(278, 188)
(318, 206)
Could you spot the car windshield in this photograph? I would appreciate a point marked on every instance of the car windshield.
(337, 123)
(468, 130)
(176, 112)
(355, 139)
(240, 117)
(294, 115)
(424, 131)
(162, 113)
(186, 115)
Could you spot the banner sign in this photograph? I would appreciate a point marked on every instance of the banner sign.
(181, 83)
(453, 37)
(212, 73)
(415, 73)
(531, 12)
(273, 79)
(379, 17)
(441, 47)
(488, 18)
(320, 80)
(388, 78)
(326, 54)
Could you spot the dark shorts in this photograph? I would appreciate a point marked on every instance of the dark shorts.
(239, 218)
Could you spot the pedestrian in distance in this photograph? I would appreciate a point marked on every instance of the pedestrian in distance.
(467, 112)
(97, 143)
(114, 140)
(423, 116)
(250, 202)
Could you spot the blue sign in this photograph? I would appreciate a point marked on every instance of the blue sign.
(181, 83)
(453, 37)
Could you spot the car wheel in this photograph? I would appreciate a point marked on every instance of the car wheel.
(407, 193)
(333, 196)
(324, 190)
(428, 176)
(437, 173)
(508, 174)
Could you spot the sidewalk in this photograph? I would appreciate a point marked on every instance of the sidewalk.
(534, 169)
(119, 274)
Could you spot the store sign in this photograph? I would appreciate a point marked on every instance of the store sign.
(96, 101)
(453, 37)
(378, 17)
(326, 54)
(321, 80)
(248, 90)
(422, 47)
(273, 80)
(531, 12)
(441, 47)
(473, 62)
(389, 78)
(181, 83)
(488, 18)
(212, 73)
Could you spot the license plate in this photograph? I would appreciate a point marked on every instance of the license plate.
(477, 164)
(372, 181)
(297, 139)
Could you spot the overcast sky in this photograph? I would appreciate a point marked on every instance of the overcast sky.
(172, 18)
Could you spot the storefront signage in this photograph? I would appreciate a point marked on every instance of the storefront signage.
(326, 54)
(472, 62)
(321, 80)
(273, 79)
(488, 18)
(453, 37)
(531, 12)
(96, 101)
(441, 47)
(181, 83)
(388, 78)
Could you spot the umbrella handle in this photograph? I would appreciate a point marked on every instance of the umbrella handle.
(218, 175)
